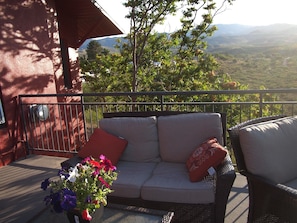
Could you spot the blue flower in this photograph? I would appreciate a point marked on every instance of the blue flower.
(47, 200)
(68, 201)
(45, 184)
(63, 174)
(56, 202)
(88, 199)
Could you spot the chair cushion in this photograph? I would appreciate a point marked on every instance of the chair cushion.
(269, 149)
(180, 134)
(170, 183)
(209, 154)
(104, 143)
(141, 134)
(131, 177)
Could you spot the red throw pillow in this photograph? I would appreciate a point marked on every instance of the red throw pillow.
(102, 142)
(209, 154)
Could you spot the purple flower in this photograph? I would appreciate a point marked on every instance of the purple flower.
(96, 172)
(55, 202)
(47, 200)
(68, 200)
(63, 173)
(85, 160)
(88, 199)
(45, 184)
(102, 157)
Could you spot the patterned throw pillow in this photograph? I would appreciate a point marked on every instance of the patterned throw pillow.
(102, 142)
(209, 154)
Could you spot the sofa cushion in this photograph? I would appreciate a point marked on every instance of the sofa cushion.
(180, 134)
(104, 143)
(141, 134)
(269, 149)
(209, 154)
(131, 177)
(170, 183)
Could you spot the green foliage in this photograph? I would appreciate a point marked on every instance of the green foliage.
(270, 66)
(104, 75)
(93, 49)
(149, 61)
(158, 62)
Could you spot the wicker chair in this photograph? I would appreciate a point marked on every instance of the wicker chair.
(268, 201)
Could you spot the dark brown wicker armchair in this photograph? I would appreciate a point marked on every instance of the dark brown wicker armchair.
(268, 201)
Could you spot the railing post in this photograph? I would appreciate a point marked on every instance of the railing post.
(261, 105)
(162, 102)
(23, 127)
(83, 115)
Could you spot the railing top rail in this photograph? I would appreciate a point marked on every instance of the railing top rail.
(72, 117)
(159, 93)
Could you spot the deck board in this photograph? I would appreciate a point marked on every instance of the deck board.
(20, 193)
(21, 197)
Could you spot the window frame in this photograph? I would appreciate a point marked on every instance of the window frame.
(3, 121)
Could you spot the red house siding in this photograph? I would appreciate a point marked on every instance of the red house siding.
(30, 59)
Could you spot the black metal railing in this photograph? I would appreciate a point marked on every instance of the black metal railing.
(63, 122)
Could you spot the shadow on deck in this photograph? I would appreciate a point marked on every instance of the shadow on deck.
(22, 198)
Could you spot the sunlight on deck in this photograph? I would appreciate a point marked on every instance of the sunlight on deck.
(22, 198)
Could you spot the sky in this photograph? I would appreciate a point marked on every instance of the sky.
(244, 12)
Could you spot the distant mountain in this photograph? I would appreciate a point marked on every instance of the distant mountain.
(272, 35)
(232, 29)
(234, 35)
(108, 42)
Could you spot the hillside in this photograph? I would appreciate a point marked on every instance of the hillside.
(259, 56)
(256, 56)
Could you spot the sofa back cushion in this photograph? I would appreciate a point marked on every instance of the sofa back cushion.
(180, 134)
(104, 143)
(141, 134)
(269, 149)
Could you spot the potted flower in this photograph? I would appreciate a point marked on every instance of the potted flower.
(81, 189)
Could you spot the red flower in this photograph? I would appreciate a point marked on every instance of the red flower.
(94, 163)
(85, 215)
(95, 202)
(106, 164)
(104, 182)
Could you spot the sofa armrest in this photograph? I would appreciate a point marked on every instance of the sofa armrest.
(225, 179)
(226, 167)
(269, 198)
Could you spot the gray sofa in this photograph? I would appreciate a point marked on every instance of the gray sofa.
(152, 169)
(265, 151)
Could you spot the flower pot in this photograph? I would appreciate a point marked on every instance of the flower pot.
(74, 216)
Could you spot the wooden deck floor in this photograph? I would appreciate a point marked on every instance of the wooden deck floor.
(21, 197)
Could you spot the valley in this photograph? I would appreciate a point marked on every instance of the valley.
(259, 57)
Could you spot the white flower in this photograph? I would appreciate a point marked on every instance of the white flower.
(73, 174)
